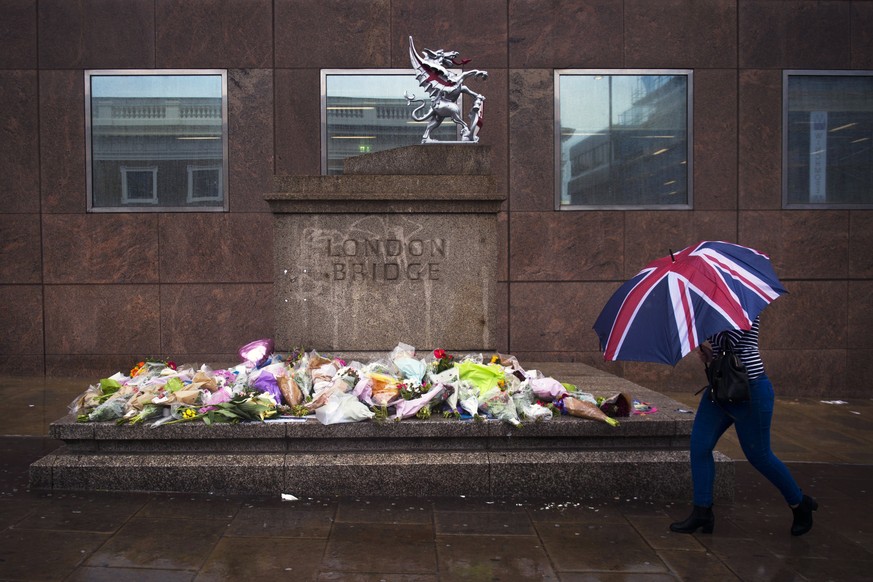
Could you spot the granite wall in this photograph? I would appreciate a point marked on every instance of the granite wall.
(88, 294)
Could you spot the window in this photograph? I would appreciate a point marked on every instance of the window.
(366, 111)
(156, 140)
(204, 183)
(623, 139)
(827, 131)
(139, 185)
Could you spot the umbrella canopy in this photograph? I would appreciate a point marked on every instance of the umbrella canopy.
(676, 302)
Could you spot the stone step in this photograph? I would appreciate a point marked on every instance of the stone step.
(505, 474)
(645, 456)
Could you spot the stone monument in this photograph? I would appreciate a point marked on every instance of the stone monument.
(401, 247)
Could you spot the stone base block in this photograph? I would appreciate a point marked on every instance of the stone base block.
(537, 474)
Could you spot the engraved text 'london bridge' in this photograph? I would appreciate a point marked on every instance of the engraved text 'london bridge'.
(383, 259)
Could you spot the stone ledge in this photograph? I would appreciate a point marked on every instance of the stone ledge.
(553, 474)
(644, 457)
(430, 159)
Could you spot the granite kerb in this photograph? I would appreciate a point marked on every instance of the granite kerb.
(564, 433)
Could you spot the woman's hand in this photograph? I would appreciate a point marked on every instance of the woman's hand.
(705, 353)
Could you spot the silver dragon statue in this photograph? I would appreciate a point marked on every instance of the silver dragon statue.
(433, 70)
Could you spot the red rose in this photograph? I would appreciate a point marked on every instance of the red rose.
(439, 353)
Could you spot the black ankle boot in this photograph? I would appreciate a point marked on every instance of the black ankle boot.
(803, 516)
(700, 517)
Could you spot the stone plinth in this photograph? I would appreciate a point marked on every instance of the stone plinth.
(644, 457)
(402, 247)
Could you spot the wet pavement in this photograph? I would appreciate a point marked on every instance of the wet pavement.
(169, 537)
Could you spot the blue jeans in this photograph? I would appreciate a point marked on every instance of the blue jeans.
(752, 422)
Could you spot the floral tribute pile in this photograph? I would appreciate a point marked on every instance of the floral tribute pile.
(401, 385)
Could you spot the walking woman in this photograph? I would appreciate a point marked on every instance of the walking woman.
(752, 422)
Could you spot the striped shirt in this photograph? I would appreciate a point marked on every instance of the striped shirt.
(745, 345)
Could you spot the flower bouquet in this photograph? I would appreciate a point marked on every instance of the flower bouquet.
(398, 386)
(583, 407)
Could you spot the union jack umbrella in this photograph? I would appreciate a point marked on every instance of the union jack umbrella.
(676, 302)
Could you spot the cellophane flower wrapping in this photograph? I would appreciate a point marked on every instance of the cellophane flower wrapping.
(483, 376)
(157, 392)
(343, 407)
(547, 389)
(408, 408)
(500, 405)
(385, 390)
(584, 408)
(468, 397)
(526, 405)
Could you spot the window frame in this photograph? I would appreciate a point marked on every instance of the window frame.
(689, 145)
(786, 205)
(156, 207)
(363, 72)
(125, 170)
(192, 169)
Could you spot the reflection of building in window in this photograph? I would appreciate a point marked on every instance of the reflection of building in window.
(139, 185)
(358, 126)
(181, 138)
(829, 139)
(641, 158)
(204, 183)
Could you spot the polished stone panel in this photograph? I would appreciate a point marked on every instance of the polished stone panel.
(494, 132)
(814, 314)
(100, 248)
(21, 308)
(298, 136)
(19, 148)
(715, 139)
(566, 34)
(714, 225)
(531, 140)
(18, 35)
(20, 249)
(359, 33)
(250, 131)
(566, 246)
(214, 318)
(861, 14)
(860, 318)
(803, 244)
(860, 244)
(760, 139)
(670, 34)
(102, 319)
(61, 139)
(794, 34)
(812, 372)
(549, 317)
(212, 247)
(213, 34)
(652, 235)
(96, 34)
(476, 30)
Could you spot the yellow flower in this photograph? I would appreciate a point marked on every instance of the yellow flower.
(188, 413)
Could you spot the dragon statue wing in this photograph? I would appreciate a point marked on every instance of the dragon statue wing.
(431, 74)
